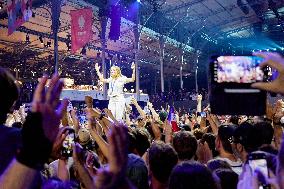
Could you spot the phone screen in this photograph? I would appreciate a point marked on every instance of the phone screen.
(238, 69)
(67, 144)
(203, 114)
(260, 165)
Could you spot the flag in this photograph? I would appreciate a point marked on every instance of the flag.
(172, 119)
(19, 12)
(81, 27)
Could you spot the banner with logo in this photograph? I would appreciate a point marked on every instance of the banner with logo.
(19, 12)
(81, 28)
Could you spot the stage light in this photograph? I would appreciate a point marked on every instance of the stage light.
(139, 1)
(267, 50)
(282, 48)
(1, 5)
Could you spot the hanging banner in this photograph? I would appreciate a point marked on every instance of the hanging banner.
(115, 16)
(81, 28)
(19, 12)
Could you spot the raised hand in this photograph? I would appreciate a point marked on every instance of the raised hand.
(133, 101)
(275, 61)
(46, 103)
(97, 67)
(203, 152)
(133, 66)
(199, 97)
(42, 125)
(57, 145)
(114, 175)
(149, 104)
(247, 179)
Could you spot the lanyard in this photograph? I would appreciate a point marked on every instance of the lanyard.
(112, 85)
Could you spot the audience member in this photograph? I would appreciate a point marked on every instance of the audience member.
(224, 140)
(185, 144)
(193, 175)
(10, 137)
(162, 159)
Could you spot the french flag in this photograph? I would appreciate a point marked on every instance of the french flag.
(172, 119)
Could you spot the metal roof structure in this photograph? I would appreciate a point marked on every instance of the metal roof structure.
(188, 27)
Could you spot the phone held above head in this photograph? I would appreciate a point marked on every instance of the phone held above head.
(230, 80)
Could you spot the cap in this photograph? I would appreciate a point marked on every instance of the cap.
(84, 136)
(226, 132)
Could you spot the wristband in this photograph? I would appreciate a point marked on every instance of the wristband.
(36, 148)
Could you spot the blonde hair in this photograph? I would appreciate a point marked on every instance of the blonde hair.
(117, 69)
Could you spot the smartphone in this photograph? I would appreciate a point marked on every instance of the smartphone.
(203, 114)
(66, 149)
(230, 91)
(257, 161)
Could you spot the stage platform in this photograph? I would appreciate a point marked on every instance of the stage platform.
(79, 95)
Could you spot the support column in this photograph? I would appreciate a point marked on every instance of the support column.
(180, 76)
(103, 42)
(55, 14)
(162, 52)
(181, 65)
(196, 71)
(136, 53)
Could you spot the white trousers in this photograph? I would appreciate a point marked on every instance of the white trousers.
(117, 107)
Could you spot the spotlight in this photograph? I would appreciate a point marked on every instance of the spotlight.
(40, 39)
(139, 1)
(1, 5)
(282, 48)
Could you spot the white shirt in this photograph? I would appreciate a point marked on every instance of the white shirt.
(237, 166)
(116, 86)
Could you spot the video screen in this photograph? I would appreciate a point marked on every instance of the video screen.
(238, 69)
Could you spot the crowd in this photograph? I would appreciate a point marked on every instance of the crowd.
(158, 149)
(180, 95)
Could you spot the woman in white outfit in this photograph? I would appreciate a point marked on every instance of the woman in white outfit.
(116, 85)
